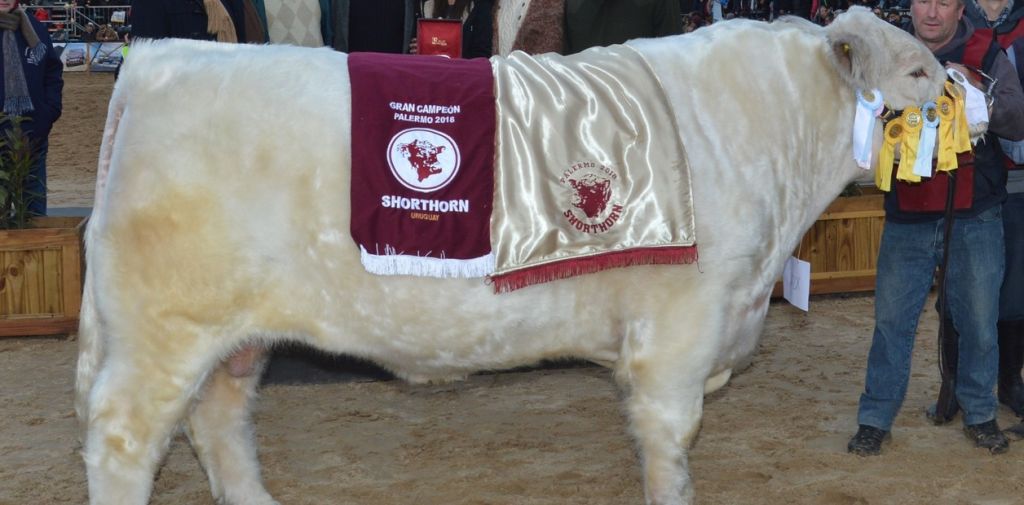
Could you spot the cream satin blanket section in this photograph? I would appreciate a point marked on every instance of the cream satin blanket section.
(591, 171)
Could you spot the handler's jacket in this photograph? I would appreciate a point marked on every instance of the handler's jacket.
(45, 81)
(1009, 34)
(1007, 121)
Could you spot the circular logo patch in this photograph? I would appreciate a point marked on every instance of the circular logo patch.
(423, 159)
(591, 206)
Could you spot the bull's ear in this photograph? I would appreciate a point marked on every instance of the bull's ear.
(849, 53)
(854, 46)
(842, 51)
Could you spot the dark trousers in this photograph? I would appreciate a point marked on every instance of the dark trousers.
(36, 186)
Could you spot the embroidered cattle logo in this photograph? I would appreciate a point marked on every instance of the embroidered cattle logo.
(591, 194)
(591, 207)
(423, 159)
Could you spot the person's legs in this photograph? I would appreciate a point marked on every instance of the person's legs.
(906, 264)
(1011, 296)
(35, 189)
(1011, 307)
(975, 272)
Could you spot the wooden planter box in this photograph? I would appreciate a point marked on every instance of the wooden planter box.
(41, 277)
(842, 246)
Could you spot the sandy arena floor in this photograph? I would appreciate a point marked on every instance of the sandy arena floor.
(775, 435)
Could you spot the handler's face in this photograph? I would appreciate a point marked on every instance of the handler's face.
(935, 21)
(7, 5)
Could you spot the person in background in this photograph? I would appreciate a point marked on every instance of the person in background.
(592, 23)
(383, 26)
(220, 20)
(33, 83)
(1005, 17)
(912, 247)
(715, 9)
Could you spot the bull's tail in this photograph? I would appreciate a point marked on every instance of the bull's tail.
(90, 355)
(90, 339)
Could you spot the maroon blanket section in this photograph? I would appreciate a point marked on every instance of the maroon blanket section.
(422, 155)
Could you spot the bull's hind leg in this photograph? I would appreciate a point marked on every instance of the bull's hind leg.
(223, 440)
(140, 395)
(665, 403)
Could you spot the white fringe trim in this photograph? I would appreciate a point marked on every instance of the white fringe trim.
(424, 266)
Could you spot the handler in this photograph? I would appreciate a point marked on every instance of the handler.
(33, 82)
(912, 245)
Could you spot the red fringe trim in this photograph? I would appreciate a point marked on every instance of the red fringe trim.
(564, 269)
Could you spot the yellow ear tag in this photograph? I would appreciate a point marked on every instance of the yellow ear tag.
(913, 121)
(947, 156)
(887, 155)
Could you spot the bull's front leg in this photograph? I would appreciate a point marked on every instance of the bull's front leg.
(665, 404)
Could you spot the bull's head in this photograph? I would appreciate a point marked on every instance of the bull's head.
(869, 54)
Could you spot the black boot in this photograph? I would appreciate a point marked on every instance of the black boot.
(1011, 359)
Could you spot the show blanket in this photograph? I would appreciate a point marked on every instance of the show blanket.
(422, 164)
(591, 171)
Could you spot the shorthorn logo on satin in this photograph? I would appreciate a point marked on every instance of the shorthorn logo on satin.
(423, 159)
(592, 205)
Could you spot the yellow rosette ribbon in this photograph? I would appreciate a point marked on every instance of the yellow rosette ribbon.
(912, 122)
(887, 155)
(946, 108)
(961, 135)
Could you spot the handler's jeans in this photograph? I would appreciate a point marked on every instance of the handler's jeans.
(907, 259)
(1011, 298)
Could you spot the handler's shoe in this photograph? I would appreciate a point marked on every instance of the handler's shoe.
(1016, 431)
(867, 441)
(987, 435)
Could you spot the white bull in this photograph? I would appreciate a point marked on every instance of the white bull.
(223, 221)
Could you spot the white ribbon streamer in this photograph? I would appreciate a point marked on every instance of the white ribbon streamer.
(864, 126)
(926, 146)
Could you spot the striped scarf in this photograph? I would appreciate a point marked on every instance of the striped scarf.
(16, 97)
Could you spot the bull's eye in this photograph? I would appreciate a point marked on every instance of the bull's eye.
(919, 73)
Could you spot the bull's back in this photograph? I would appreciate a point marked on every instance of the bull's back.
(227, 204)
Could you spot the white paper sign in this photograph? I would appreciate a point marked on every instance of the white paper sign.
(796, 282)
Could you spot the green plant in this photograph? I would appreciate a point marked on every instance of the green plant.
(17, 157)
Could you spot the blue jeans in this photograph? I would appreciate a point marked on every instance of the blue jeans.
(37, 183)
(1011, 298)
(907, 259)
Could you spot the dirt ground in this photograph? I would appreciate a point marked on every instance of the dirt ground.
(775, 435)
